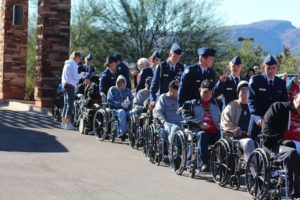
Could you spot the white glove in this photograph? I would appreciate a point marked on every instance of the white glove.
(127, 101)
(124, 105)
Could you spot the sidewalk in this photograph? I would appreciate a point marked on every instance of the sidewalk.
(24, 106)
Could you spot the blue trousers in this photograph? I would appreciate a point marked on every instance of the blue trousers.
(69, 97)
(205, 139)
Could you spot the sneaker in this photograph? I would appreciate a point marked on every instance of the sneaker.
(62, 126)
(70, 127)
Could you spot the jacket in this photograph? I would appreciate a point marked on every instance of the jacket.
(230, 118)
(193, 112)
(276, 122)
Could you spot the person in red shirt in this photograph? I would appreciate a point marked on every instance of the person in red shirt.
(203, 116)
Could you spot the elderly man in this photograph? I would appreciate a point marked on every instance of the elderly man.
(235, 119)
(166, 72)
(166, 111)
(227, 84)
(195, 74)
(203, 115)
(145, 71)
(264, 89)
(119, 99)
(278, 130)
(141, 100)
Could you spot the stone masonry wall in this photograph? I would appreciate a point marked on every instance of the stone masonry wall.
(52, 47)
(13, 51)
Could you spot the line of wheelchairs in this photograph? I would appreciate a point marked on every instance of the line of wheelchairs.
(265, 176)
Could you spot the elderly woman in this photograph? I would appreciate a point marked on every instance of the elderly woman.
(69, 79)
(145, 72)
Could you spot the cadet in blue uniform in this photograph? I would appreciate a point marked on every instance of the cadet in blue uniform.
(109, 76)
(264, 90)
(166, 72)
(122, 69)
(227, 84)
(87, 67)
(195, 74)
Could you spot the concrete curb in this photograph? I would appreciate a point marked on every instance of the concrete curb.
(23, 106)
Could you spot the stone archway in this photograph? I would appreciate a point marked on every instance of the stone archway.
(52, 49)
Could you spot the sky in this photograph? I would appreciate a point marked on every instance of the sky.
(247, 11)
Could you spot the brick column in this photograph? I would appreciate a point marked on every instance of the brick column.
(13, 51)
(52, 47)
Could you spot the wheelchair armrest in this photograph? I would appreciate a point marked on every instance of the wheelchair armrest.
(185, 124)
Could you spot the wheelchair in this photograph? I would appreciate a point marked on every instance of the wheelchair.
(227, 162)
(184, 151)
(57, 107)
(105, 125)
(136, 129)
(87, 115)
(265, 175)
(157, 148)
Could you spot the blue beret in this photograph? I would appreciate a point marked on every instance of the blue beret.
(89, 57)
(156, 54)
(270, 60)
(206, 52)
(176, 48)
(236, 60)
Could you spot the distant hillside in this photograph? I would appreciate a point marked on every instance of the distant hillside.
(272, 35)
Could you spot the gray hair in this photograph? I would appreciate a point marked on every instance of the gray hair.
(142, 61)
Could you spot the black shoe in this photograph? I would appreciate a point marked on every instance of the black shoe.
(204, 168)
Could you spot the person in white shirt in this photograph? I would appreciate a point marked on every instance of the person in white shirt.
(69, 79)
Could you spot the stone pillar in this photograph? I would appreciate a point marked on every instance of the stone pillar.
(13, 49)
(52, 47)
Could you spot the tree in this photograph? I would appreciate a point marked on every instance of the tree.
(31, 50)
(287, 63)
(135, 28)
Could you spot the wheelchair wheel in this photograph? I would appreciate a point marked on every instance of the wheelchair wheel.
(132, 131)
(99, 124)
(56, 111)
(81, 125)
(219, 162)
(234, 182)
(178, 153)
(157, 147)
(76, 116)
(257, 174)
(150, 144)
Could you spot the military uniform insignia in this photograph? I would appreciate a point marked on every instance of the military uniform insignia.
(262, 89)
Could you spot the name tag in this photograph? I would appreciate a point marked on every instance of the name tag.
(166, 75)
(262, 89)
(198, 81)
(112, 77)
(229, 89)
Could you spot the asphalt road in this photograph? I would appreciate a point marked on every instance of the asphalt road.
(38, 160)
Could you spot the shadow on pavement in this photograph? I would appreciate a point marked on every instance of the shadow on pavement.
(13, 136)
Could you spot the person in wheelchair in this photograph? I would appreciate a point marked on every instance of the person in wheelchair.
(235, 119)
(274, 131)
(203, 116)
(89, 90)
(166, 112)
(141, 100)
(119, 99)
